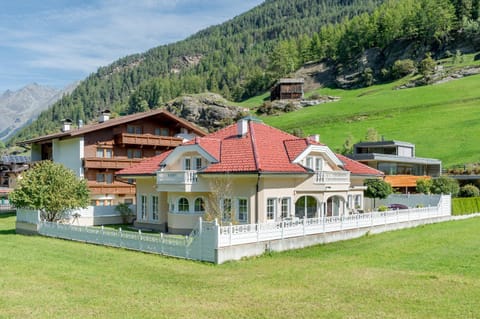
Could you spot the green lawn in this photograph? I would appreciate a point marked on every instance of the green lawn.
(426, 272)
(442, 120)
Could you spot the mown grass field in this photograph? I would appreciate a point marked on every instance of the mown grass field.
(426, 272)
(442, 120)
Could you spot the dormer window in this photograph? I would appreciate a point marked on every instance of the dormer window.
(314, 163)
(187, 163)
(192, 163)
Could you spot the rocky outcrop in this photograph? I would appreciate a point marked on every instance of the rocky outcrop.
(207, 110)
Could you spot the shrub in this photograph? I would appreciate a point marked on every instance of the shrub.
(125, 211)
(445, 185)
(266, 108)
(382, 208)
(424, 185)
(469, 191)
(402, 68)
(298, 132)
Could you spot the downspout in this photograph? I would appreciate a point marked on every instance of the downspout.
(257, 165)
(256, 198)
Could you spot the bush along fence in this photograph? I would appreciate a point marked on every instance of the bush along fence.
(212, 242)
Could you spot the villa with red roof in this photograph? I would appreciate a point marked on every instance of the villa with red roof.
(246, 173)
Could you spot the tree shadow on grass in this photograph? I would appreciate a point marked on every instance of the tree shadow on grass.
(7, 232)
(7, 215)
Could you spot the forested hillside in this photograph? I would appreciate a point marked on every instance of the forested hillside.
(244, 56)
(230, 59)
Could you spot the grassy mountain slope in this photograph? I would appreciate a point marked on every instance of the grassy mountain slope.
(442, 120)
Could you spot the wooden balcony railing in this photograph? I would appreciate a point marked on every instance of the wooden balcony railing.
(115, 188)
(111, 163)
(147, 140)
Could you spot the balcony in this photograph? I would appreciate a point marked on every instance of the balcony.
(147, 140)
(324, 177)
(114, 189)
(177, 177)
(110, 163)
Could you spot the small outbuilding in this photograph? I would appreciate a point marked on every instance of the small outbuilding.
(287, 89)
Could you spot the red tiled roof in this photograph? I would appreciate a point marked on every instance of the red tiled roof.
(357, 168)
(146, 167)
(262, 149)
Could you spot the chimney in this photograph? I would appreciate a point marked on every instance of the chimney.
(314, 138)
(104, 116)
(242, 128)
(67, 125)
(80, 123)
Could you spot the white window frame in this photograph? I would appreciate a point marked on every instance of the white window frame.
(357, 201)
(226, 208)
(197, 161)
(318, 163)
(288, 205)
(143, 207)
(187, 164)
(155, 207)
(242, 216)
(271, 209)
(309, 162)
(183, 210)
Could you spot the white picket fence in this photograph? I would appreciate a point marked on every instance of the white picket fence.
(198, 245)
(207, 239)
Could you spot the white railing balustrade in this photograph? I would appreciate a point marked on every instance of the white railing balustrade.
(177, 177)
(247, 233)
(326, 177)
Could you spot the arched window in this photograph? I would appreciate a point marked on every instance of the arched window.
(199, 205)
(183, 205)
(306, 207)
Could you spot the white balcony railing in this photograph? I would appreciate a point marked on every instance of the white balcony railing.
(177, 177)
(325, 177)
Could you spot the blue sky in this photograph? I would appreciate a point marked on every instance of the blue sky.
(57, 42)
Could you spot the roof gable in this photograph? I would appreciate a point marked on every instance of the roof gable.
(118, 121)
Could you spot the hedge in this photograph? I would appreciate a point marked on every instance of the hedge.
(464, 206)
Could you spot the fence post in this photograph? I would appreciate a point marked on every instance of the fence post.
(230, 230)
(162, 247)
(304, 224)
(282, 227)
(140, 239)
